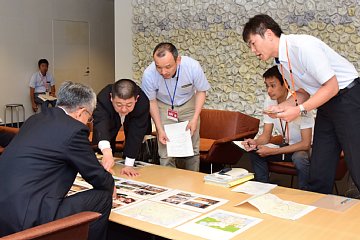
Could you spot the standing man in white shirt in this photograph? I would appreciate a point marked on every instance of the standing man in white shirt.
(310, 65)
(176, 87)
(40, 83)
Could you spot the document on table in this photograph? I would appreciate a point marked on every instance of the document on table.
(273, 205)
(336, 203)
(254, 188)
(219, 224)
(179, 144)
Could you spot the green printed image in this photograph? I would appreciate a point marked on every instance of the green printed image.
(214, 223)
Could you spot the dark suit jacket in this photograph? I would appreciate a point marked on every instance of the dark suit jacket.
(39, 166)
(107, 122)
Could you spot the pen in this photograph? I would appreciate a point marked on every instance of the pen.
(345, 201)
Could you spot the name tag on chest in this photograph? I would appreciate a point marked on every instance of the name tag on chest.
(173, 115)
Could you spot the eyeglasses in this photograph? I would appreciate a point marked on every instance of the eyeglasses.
(91, 118)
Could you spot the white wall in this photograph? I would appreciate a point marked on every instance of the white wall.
(123, 40)
(26, 36)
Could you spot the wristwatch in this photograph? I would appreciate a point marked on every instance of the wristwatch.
(303, 111)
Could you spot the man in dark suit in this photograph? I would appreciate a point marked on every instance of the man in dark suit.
(121, 103)
(39, 166)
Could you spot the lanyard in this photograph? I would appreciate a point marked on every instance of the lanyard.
(287, 139)
(167, 88)
(43, 78)
(293, 93)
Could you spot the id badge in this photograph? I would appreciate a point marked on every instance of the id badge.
(172, 115)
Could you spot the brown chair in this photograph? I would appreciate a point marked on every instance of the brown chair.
(218, 128)
(6, 135)
(72, 227)
(288, 168)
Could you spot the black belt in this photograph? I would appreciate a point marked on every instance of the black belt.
(348, 87)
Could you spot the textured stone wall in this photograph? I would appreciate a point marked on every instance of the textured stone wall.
(210, 31)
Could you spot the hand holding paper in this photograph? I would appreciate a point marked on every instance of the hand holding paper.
(179, 144)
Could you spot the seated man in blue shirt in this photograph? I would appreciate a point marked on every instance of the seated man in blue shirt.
(176, 87)
(42, 82)
(297, 135)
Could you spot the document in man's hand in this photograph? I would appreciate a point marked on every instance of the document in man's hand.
(179, 144)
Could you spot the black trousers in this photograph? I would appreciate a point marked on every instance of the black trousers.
(91, 200)
(337, 127)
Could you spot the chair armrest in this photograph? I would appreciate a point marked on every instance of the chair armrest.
(248, 134)
(55, 226)
(11, 130)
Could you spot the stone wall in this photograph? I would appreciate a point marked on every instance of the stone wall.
(211, 32)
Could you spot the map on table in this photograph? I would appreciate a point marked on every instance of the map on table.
(157, 213)
(219, 224)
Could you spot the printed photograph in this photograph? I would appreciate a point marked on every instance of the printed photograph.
(197, 204)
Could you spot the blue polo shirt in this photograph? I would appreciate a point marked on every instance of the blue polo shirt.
(191, 78)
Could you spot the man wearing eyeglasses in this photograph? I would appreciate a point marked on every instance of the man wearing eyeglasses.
(332, 81)
(176, 87)
(39, 166)
(121, 104)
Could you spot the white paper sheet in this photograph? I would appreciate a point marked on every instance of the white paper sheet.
(124, 200)
(219, 224)
(273, 205)
(189, 200)
(179, 144)
(157, 213)
(254, 188)
(138, 189)
(240, 145)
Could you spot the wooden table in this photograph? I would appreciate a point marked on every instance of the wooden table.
(318, 224)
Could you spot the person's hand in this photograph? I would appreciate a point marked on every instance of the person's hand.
(249, 144)
(162, 137)
(272, 111)
(108, 162)
(35, 107)
(289, 113)
(192, 125)
(129, 171)
(264, 151)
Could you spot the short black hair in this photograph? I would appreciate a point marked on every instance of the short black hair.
(164, 47)
(273, 72)
(258, 25)
(43, 60)
(125, 89)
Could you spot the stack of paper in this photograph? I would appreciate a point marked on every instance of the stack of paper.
(229, 178)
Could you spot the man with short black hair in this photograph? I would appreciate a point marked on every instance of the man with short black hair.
(42, 82)
(121, 104)
(39, 166)
(297, 135)
(311, 65)
(176, 87)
